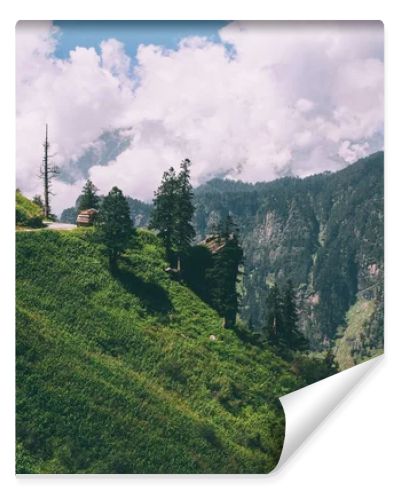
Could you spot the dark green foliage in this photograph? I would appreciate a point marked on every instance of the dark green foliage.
(274, 329)
(89, 198)
(313, 367)
(222, 276)
(163, 217)
(139, 212)
(281, 326)
(294, 339)
(197, 266)
(173, 212)
(324, 232)
(113, 225)
(184, 232)
(116, 372)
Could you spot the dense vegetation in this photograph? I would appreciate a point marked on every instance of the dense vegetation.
(27, 213)
(173, 211)
(139, 212)
(128, 371)
(324, 233)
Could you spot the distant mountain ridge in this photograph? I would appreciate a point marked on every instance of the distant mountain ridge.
(324, 232)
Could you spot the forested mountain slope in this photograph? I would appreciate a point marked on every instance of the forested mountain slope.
(325, 233)
(130, 372)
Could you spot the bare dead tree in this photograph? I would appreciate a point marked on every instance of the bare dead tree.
(47, 173)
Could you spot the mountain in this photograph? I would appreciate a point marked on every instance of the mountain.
(130, 372)
(325, 233)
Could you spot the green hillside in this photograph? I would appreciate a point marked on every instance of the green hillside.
(27, 213)
(117, 373)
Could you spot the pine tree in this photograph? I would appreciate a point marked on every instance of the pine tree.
(274, 329)
(224, 273)
(113, 225)
(173, 212)
(163, 217)
(281, 325)
(293, 338)
(47, 173)
(89, 198)
(183, 230)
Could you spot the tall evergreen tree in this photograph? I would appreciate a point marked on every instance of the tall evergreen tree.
(173, 212)
(274, 329)
(163, 217)
(183, 230)
(281, 325)
(294, 339)
(89, 198)
(113, 225)
(223, 274)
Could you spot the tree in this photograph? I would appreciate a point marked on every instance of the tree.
(281, 325)
(173, 212)
(294, 339)
(183, 231)
(89, 198)
(113, 225)
(47, 173)
(224, 273)
(274, 329)
(163, 215)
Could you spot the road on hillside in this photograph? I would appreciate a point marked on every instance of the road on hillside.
(60, 226)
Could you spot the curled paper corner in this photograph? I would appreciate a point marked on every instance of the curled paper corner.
(306, 408)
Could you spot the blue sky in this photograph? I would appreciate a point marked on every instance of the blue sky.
(131, 33)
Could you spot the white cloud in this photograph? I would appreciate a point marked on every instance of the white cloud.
(270, 99)
(353, 152)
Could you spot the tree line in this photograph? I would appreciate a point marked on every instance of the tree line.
(213, 275)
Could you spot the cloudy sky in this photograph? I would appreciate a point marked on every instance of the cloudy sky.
(244, 100)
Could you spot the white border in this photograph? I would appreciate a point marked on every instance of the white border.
(354, 453)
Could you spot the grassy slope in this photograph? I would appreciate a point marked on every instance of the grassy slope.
(27, 212)
(116, 373)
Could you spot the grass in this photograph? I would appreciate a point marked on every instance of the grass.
(28, 214)
(116, 372)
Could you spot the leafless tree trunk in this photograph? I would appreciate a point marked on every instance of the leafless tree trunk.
(47, 173)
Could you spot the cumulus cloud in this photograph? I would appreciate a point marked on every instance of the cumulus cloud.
(268, 99)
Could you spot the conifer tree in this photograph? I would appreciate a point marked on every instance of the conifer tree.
(281, 325)
(183, 230)
(89, 198)
(113, 225)
(163, 217)
(293, 338)
(173, 212)
(274, 328)
(224, 273)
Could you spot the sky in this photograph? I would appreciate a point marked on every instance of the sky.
(251, 101)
